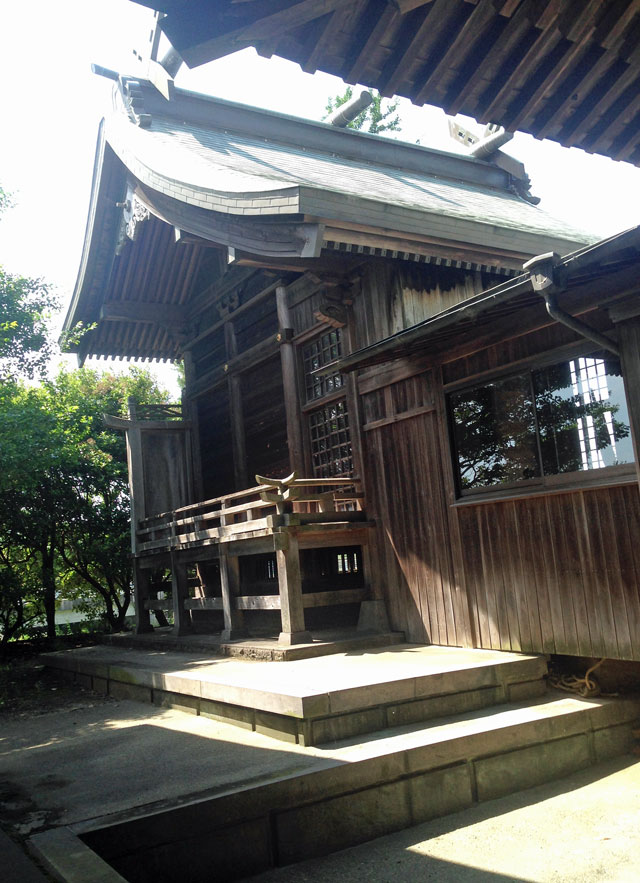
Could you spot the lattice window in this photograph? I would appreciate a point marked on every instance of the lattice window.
(319, 358)
(331, 452)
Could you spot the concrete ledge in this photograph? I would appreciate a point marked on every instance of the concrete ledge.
(405, 779)
(516, 770)
(325, 699)
(265, 650)
(69, 859)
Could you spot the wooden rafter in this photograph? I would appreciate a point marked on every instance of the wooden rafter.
(564, 69)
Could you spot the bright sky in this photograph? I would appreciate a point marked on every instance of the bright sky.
(51, 106)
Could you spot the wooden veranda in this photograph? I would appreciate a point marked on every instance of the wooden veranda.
(201, 545)
(268, 519)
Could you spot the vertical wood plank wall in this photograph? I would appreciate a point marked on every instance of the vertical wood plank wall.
(406, 498)
(556, 573)
(549, 573)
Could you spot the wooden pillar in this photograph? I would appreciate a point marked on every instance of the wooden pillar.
(230, 584)
(135, 467)
(141, 593)
(179, 592)
(290, 383)
(234, 388)
(629, 343)
(190, 412)
(290, 588)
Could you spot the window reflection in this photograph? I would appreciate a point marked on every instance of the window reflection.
(567, 417)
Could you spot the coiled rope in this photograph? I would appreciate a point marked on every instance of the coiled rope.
(586, 686)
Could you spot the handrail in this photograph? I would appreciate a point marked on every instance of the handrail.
(257, 489)
(252, 510)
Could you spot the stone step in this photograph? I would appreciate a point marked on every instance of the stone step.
(265, 649)
(358, 792)
(313, 701)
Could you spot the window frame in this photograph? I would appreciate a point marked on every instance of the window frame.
(544, 484)
(311, 406)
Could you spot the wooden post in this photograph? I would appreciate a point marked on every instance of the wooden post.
(141, 593)
(230, 584)
(629, 342)
(372, 616)
(290, 588)
(290, 384)
(234, 387)
(181, 618)
(190, 412)
(135, 466)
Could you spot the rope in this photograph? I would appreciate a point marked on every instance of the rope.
(586, 686)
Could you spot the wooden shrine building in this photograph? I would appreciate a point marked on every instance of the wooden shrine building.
(440, 435)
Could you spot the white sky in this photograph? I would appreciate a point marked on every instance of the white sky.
(51, 105)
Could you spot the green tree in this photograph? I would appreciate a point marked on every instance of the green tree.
(63, 487)
(380, 116)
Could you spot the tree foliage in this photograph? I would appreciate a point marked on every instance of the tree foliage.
(64, 506)
(380, 116)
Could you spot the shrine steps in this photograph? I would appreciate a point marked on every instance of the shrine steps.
(321, 802)
(312, 701)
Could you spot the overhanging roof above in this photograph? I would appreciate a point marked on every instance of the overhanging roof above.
(568, 70)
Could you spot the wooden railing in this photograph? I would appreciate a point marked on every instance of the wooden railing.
(258, 509)
(276, 516)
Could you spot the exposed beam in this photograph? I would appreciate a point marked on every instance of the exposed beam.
(220, 34)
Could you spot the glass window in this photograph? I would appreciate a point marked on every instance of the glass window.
(566, 417)
(494, 432)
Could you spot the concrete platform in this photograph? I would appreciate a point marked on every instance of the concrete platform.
(311, 701)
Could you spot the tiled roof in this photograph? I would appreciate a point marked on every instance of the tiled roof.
(241, 174)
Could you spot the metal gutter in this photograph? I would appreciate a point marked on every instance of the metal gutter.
(548, 278)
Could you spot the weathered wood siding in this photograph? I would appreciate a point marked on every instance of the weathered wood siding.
(166, 469)
(396, 296)
(555, 572)
(265, 420)
(215, 442)
(406, 497)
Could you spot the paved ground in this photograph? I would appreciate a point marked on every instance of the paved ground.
(79, 763)
(581, 829)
